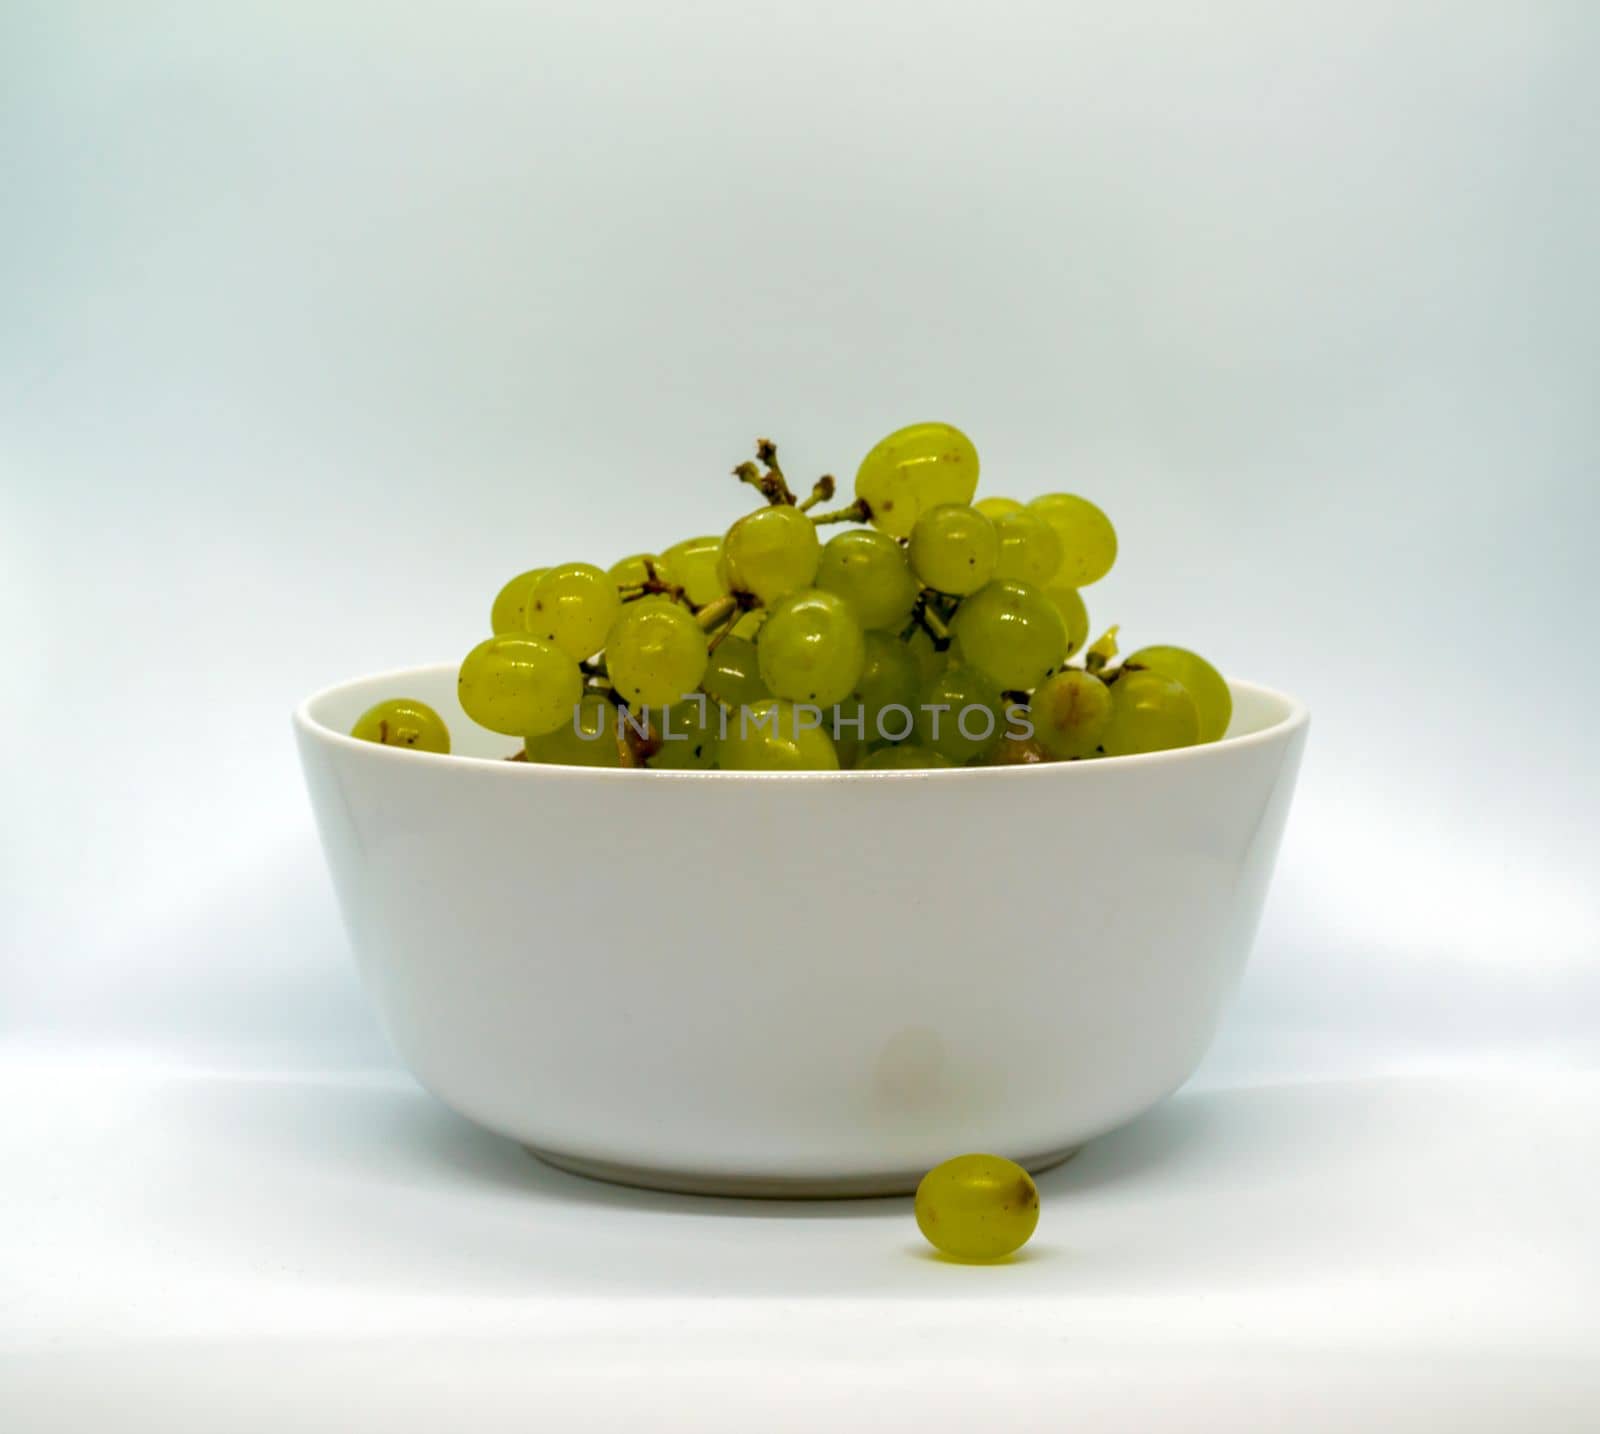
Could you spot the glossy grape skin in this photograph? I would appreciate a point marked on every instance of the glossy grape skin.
(977, 1208)
(766, 737)
(632, 572)
(1149, 713)
(1017, 752)
(510, 610)
(687, 733)
(914, 469)
(954, 549)
(1070, 712)
(572, 607)
(1212, 698)
(811, 648)
(1088, 541)
(996, 508)
(1030, 551)
(931, 659)
(403, 722)
(905, 757)
(519, 685)
(596, 719)
(959, 687)
(845, 724)
(696, 565)
(1012, 633)
(655, 653)
(869, 570)
(1069, 603)
(770, 553)
(733, 674)
(890, 676)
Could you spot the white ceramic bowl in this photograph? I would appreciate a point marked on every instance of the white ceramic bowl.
(806, 984)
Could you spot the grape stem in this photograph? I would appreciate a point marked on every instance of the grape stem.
(722, 632)
(857, 512)
(821, 491)
(715, 613)
(932, 623)
(772, 483)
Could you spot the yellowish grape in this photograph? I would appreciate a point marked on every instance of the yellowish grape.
(1069, 603)
(1069, 713)
(1030, 551)
(811, 648)
(915, 469)
(869, 569)
(403, 722)
(695, 565)
(655, 653)
(1088, 541)
(776, 736)
(954, 549)
(572, 607)
(519, 684)
(510, 610)
(587, 739)
(977, 1207)
(996, 508)
(770, 553)
(1149, 713)
(1212, 698)
(733, 674)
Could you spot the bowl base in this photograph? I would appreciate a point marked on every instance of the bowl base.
(765, 1187)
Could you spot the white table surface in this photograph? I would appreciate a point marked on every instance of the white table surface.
(209, 1248)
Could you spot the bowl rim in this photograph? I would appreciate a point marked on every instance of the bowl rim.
(1296, 717)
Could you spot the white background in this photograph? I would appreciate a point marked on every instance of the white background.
(318, 321)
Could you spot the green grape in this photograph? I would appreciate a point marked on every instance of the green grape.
(655, 653)
(1069, 713)
(954, 549)
(847, 725)
(403, 722)
(587, 739)
(915, 469)
(905, 757)
(573, 607)
(733, 675)
(770, 553)
(510, 610)
(996, 508)
(811, 648)
(695, 565)
(1011, 632)
(634, 571)
(687, 733)
(1015, 751)
(776, 736)
(977, 1207)
(931, 659)
(959, 714)
(1030, 551)
(1212, 699)
(869, 570)
(1149, 713)
(1069, 603)
(1088, 541)
(519, 685)
(890, 677)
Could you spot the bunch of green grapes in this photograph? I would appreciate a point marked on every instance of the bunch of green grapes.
(915, 628)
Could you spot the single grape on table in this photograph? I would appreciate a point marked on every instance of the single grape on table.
(978, 1208)
(916, 628)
